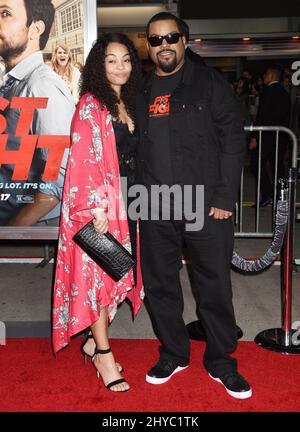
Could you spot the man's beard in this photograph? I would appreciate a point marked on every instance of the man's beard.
(167, 67)
(8, 52)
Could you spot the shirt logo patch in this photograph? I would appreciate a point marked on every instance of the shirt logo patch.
(160, 107)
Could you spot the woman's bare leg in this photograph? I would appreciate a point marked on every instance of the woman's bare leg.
(89, 349)
(105, 363)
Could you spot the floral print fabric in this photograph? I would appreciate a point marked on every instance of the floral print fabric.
(92, 180)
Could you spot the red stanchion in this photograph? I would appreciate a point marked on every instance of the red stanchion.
(284, 339)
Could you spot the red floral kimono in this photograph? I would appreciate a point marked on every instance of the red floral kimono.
(92, 180)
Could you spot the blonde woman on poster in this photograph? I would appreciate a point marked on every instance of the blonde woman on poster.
(62, 64)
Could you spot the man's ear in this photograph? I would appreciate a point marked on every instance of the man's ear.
(36, 29)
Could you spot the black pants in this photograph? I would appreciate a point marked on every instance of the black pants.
(210, 251)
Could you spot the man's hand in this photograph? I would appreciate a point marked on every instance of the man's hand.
(253, 144)
(219, 213)
(100, 220)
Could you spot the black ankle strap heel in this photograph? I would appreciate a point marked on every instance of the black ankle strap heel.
(113, 383)
(87, 336)
(100, 351)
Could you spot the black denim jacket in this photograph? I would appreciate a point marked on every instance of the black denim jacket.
(206, 133)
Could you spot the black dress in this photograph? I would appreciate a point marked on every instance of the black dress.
(126, 143)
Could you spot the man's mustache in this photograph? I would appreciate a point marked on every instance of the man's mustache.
(166, 50)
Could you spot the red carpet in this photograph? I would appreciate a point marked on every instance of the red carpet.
(33, 380)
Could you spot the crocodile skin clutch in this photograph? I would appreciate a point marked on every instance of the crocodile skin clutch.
(105, 250)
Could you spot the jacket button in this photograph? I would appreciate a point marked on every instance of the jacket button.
(145, 132)
(199, 107)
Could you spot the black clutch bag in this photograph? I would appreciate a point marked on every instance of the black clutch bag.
(105, 250)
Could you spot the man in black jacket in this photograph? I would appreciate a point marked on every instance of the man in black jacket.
(273, 110)
(191, 133)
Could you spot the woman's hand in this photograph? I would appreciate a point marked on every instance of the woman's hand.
(100, 220)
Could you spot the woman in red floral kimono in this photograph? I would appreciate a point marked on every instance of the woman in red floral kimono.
(102, 151)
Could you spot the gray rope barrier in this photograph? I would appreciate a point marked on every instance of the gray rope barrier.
(269, 257)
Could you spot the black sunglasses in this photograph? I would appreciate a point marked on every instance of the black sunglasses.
(170, 38)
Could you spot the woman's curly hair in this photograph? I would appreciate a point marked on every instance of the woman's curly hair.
(94, 80)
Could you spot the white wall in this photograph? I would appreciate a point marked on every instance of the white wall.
(126, 16)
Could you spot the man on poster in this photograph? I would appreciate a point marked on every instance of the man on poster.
(24, 31)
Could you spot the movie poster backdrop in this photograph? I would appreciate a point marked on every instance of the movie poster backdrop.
(36, 109)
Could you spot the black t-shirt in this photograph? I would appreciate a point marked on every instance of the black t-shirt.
(158, 169)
